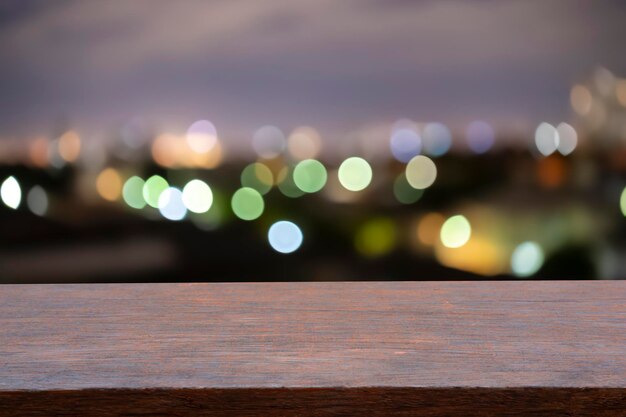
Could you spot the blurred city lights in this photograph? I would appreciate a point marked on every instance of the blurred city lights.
(527, 258)
(480, 136)
(479, 255)
(622, 201)
(581, 99)
(404, 192)
(247, 203)
(152, 189)
(421, 172)
(304, 143)
(201, 136)
(171, 204)
(355, 174)
(286, 185)
(69, 146)
(437, 139)
(197, 196)
(132, 192)
(268, 142)
(109, 184)
(11, 193)
(257, 176)
(37, 200)
(567, 138)
(455, 232)
(405, 144)
(546, 139)
(285, 236)
(429, 227)
(376, 237)
(310, 175)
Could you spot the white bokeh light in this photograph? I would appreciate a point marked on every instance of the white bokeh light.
(171, 204)
(546, 139)
(197, 196)
(285, 236)
(11, 193)
(269, 142)
(201, 136)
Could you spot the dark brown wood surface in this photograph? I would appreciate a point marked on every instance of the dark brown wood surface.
(318, 349)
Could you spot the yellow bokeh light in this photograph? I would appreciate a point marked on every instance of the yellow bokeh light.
(304, 143)
(421, 172)
(109, 184)
(69, 146)
(428, 228)
(581, 99)
(479, 255)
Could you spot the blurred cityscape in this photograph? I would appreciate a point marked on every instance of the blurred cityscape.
(400, 200)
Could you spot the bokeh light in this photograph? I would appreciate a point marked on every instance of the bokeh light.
(285, 236)
(355, 174)
(567, 138)
(622, 201)
(153, 188)
(405, 144)
(286, 184)
(310, 175)
(37, 200)
(11, 193)
(257, 176)
(201, 136)
(527, 259)
(304, 143)
(546, 139)
(581, 99)
(171, 204)
(455, 232)
(132, 192)
(429, 227)
(376, 237)
(268, 142)
(437, 139)
(109, 184)
(197, 196)
(480, 136)
(247, 203)
(69, 146)
(421, 172)
(404, 192)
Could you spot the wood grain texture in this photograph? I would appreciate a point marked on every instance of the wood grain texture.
(314, 349)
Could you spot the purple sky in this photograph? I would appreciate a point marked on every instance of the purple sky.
(336, 65)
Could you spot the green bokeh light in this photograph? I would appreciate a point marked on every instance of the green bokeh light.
(153, 188)
(622, 202)
(310, 175)
(355, 174)
(257, 176)
(287, 186)
(132, 192)
(404, 192)
(247, 203)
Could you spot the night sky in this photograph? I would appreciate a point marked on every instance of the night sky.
(336, 65)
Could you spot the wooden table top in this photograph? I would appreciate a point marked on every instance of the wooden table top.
(342, 335)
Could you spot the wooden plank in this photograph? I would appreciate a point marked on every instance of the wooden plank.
(314, 349)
